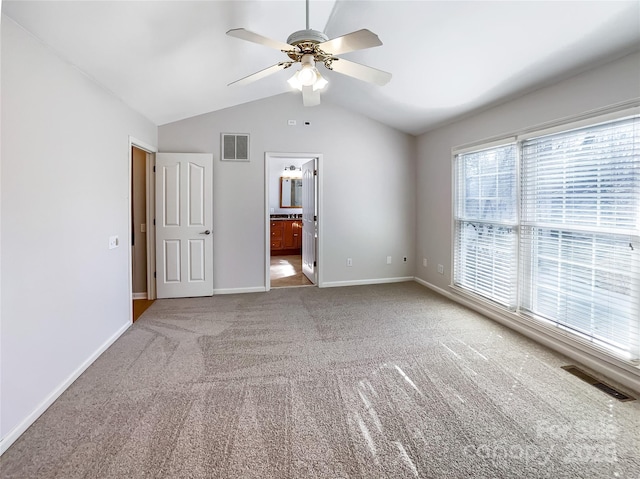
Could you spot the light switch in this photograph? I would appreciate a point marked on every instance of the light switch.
(113, 242)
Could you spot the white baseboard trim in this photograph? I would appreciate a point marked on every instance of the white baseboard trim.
(257, 289)
(139, 296)
(17, 431)
(434, 288)
(362, 282)
(623, 373)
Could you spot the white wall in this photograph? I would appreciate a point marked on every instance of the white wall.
(369, 187)
(65, 190)
(610, 84)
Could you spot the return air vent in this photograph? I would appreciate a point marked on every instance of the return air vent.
(598, 384)
(235, 147)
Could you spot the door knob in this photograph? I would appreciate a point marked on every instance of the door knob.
(206, 232)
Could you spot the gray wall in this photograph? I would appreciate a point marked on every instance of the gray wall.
(65, 190)
(607, 85)
(368, 197)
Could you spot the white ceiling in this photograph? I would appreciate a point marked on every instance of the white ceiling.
(171, 60)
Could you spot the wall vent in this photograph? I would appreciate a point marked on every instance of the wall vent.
(586, 377)
(234, 147)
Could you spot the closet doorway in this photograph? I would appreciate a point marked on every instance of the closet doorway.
(142, 232)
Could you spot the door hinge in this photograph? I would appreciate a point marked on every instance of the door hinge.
(154, 274)
(315, 264)
(154, 221)
(154, 168)
(315, 218)
(315, 172)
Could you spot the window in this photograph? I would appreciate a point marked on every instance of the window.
(578, 232)
(486, 223)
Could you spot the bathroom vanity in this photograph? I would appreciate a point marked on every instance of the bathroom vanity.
(286, 236)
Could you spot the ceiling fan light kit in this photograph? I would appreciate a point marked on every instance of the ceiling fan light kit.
(308, 75)
(309, 47)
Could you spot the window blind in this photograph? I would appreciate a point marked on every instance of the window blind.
(580, 232)
(486, 223)
(587, 177)
(485, 262)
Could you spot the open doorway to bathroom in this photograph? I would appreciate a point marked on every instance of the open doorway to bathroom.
(292, 220)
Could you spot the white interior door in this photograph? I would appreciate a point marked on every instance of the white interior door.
(309, 221)
(184, 242)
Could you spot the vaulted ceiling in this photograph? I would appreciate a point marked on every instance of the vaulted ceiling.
(171, 60)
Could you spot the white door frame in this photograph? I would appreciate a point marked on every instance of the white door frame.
(150, 150)
(267, 215)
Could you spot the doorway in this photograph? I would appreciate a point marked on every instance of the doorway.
(141, 229)
(289, 252)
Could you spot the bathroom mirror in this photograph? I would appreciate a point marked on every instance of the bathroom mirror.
(290, 192)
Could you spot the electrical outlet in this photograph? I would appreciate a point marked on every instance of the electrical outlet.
(404, 259)
(349, 262)
(291, 122)
(424, 262)
(440, 269)
(388, 259)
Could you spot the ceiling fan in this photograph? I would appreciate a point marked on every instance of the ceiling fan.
(309, 47)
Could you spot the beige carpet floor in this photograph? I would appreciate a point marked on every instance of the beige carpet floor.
(385, 381)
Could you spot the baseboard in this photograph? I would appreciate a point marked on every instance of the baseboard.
(362, 282)
(139, 296)
(623, 373)
(257, 289)
(17, 431)
(435, 288)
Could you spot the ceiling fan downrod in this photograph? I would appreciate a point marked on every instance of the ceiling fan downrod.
(307, 14)
(305, 39)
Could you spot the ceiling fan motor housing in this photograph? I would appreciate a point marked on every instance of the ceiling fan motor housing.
(307, 36)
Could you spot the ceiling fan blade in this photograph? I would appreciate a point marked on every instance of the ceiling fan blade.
(262, 73)
(361, 72)
(350, 42)
(310, 97)
(249, 36)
